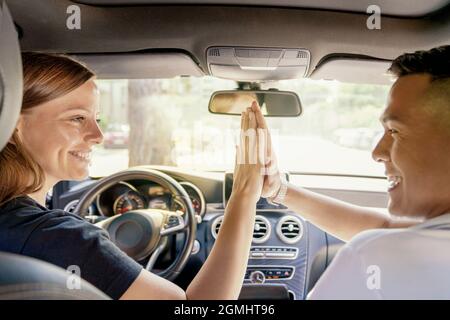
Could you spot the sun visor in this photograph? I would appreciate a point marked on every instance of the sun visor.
(249, 64)
(353, 71)
(10, 75)
(141, 65)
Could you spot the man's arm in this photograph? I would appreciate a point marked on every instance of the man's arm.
(341, 219)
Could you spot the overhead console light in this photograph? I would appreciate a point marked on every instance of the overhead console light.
(251, 64)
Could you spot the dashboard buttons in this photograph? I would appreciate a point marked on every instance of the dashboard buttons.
(273, 253)
(257, 273)
(257, 254)
(280, 255)
(173, 221)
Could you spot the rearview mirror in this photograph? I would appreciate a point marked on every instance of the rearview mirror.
(273, 103)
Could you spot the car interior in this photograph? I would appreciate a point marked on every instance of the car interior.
(260, 46)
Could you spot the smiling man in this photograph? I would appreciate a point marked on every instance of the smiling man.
(387, 257)
(409, 263)
(415, 148)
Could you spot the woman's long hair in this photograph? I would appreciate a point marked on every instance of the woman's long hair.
(46, 77)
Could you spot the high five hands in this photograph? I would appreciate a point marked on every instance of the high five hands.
(256, 171)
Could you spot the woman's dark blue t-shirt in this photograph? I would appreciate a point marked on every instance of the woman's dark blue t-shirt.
(65, 239)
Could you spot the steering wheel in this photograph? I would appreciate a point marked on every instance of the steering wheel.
(143, 232)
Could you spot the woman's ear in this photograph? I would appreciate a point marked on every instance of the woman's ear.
(16, 132)
(13, 138)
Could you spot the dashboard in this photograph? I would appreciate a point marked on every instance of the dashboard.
(140, 194)
(284, 247)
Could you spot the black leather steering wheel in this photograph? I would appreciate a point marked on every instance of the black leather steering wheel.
(141, 233)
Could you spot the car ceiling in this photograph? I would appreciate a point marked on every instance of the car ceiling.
(405, 8)
(192, 29)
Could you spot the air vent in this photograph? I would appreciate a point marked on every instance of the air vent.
(214, 52)
(261, 231)
(290, 229)
(70, 207)
(216, 226)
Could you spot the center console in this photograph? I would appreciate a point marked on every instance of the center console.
(278, 255)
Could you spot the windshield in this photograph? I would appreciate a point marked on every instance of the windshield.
(167, 122)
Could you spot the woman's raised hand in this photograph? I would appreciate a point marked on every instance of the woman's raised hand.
(272, 180)
(249, 169)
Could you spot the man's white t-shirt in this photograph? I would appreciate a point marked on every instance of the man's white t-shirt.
(410, 263)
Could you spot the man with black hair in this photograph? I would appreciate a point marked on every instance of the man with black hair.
(404, 255)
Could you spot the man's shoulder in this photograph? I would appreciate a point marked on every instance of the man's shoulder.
(406, 244)
(386, 239)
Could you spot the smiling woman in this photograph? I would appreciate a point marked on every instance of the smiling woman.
(27, 156)
(54, 136)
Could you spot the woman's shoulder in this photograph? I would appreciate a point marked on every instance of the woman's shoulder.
(65, 239)
(24, 210)
(22, 216)
(19, 203)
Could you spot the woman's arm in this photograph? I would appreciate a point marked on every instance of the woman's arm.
(222, 274)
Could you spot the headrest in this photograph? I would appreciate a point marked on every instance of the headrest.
(10, 75)
(26, 278)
